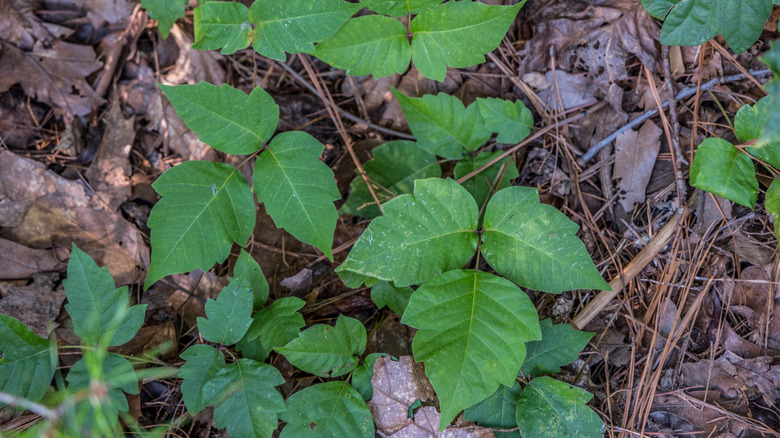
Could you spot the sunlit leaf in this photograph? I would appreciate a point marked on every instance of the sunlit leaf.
(535, 245)
(294, 25)
(458, 34)
(472, 329)
(371, 44)
(419, 236)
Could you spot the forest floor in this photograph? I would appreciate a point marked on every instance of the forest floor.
(688, 345)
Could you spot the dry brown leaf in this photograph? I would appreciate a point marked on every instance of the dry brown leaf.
(635, 155)
(298, 283)
(426, 425)
(396, 386)
(109, 173)
(564, 90)
(40, 209)
(711, 210)
(193, 66)
(36, 305)
(160, 340)
(19, 25)
(19, 261)
(54, 76)
(595, 37)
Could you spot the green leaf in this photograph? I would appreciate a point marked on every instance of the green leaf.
(27, 361)
(547, 407)
(772, 203)
(481, 186)
(399, 8)
(361, 377)
(720, 168)
(395, 298)
(277, 324)
(472, 328)
(247, 268)
(772, 127)
(442, 125)
(246, 402)
(749, 124)
(659, 8)
(371, 44)
(497, 411)
(325, 410)
(559, 346)
(229, 316)
(458, 34)
(420, 235)
(224, 117)
(205, 207)
(298, 189)
(512, 121)
(120, 376)
(202, 362)
(693, 22)
(394, 168)
(100, 312)
(222, 24)
(535, 245)
(328, 351)
(294, 25)
(166, 12)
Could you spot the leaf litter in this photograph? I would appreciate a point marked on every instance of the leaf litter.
(691, 347)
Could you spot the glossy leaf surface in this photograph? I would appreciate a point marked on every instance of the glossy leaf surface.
(294, 25)
(535, 245)
(222, 25)
(472, 329)
(419, 236)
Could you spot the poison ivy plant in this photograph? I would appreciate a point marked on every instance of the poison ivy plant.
(166, 12)
(499, 411)
(28, 361)
(469, 322)
(246, 268)
(693, 22)
(229, 316)
(559, 346)
(327, 409)
(395, 298)
(563, 408)
(393, 170)
(206, 207)
(328, 351)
